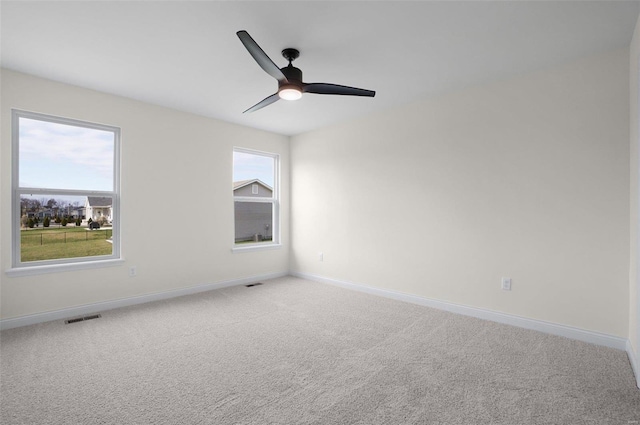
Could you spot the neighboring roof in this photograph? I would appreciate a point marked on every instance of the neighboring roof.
(99, 201)
(242, 183)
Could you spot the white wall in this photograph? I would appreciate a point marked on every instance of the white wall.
(526, 178)
(634, 159)
(171, 161)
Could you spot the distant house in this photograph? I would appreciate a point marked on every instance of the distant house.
(77, 212)
(253, 188)
(98, 206)
(44, 213)
(253, 220)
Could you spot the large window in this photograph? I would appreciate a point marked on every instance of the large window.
(255, 195)
(65, 191)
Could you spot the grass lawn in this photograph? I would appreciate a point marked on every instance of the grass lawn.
(64, 242)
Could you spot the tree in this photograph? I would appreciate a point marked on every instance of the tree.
(62, 205)
(30, 223)
(28, 204)
(52, 203)
(64, 221)
(46, 222)
(24, 204)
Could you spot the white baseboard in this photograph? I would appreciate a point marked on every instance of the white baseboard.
(82, 310)
(494, 316)
(635, 362)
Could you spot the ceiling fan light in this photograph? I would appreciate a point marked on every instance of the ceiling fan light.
(290, 93)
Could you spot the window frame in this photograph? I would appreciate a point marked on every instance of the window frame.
(274, 201)
(19, 267)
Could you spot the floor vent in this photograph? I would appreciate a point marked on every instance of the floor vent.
(82, 319)
(253, 284)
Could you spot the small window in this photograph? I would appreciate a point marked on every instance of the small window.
(65, 191)
(255, 195)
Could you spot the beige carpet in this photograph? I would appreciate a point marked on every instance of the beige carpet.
(297, 352)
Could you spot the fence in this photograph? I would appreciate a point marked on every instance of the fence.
(46, 238)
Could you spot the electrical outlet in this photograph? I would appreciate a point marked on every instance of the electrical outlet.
(506, 283)
(133, 271)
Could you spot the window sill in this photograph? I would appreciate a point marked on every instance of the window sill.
(54, 268)
(255, 247)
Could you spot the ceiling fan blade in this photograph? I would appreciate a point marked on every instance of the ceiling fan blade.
(264, 102)
(261, 57)
(327, 88)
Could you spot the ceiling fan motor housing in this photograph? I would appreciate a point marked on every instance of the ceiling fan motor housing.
(294, 75)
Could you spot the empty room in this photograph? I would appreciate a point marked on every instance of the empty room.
(310, 212)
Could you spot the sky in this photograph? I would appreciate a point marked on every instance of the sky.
(248, 166)
(60, 156)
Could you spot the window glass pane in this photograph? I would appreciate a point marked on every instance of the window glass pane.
(256, 196)
(254, 222)
(249, 169)
(60, 156)
(60, 226)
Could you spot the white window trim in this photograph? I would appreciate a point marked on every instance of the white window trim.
(274, 200)
(20, 268)
(54, 268)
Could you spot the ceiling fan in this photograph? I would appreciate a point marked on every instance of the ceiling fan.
(290, 84)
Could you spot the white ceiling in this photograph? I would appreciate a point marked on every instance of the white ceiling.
(186, 55)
